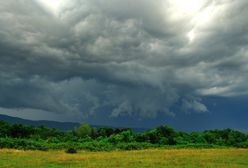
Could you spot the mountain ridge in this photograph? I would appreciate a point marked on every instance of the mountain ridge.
(54, 124)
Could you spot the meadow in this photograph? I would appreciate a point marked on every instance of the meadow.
(157, 158)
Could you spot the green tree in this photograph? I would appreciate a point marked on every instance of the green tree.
(209, 136)
(166, 133)
(21, 131)
(4, 129)
(196, 138)
(83, 130)
(105, 132)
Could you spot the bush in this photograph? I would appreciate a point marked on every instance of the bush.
(71, 150)
(18, 136)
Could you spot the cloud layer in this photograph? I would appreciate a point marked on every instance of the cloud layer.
(132, 58)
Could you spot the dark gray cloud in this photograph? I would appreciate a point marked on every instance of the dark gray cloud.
(136, 58)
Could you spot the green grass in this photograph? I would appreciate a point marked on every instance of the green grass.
(159, 158)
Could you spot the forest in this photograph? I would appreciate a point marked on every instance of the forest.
(26, 137)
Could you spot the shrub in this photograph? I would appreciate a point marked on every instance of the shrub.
(71, 150)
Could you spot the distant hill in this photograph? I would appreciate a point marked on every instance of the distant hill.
(49, 124)
(53, 124)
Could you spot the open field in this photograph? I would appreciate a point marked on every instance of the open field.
(158, 158)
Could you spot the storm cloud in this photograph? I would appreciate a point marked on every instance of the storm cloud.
(132, 58)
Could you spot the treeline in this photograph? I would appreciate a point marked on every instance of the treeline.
(84, 137)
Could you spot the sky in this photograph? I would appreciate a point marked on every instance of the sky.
(139, 63)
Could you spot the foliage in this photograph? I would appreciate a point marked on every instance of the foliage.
(71, 150)
(83, 130)
(20, 136)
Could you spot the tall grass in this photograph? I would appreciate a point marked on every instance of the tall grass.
(157, 158)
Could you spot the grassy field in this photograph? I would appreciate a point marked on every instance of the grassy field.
(158, 158)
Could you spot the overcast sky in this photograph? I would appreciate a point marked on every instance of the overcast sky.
(126, 62)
